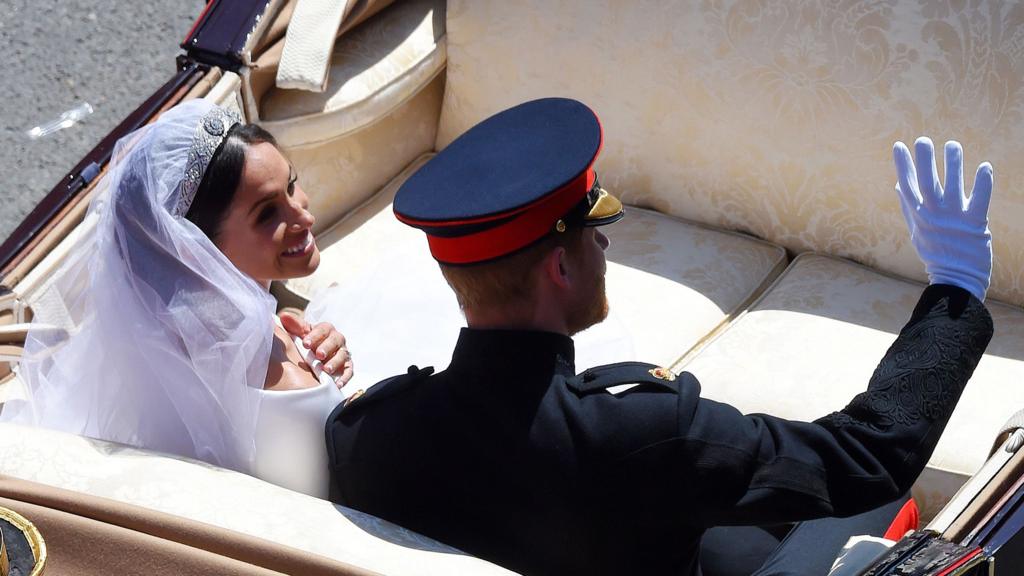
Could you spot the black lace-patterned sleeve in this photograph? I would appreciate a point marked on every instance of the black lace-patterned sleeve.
(917, 384)
(925, 370)
(734, 468)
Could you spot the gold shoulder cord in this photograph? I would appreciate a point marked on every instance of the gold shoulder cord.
(35, 542)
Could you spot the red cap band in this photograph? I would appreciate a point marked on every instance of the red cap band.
(527, 225)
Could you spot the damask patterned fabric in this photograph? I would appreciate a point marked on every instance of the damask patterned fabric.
(813, 340)
(669, 282)
(226, 499)
(774, 117)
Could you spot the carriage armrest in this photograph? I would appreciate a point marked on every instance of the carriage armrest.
(976, 497)
(9, 356)
(12, 342)
(9, 353)
(16, 334)
(13, 334)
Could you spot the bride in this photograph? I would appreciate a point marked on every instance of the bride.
(169, 339)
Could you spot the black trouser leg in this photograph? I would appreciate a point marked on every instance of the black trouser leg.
(808, 550)
(811, 547)
(735, 550)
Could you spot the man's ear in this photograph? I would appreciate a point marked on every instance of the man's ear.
(555, 268)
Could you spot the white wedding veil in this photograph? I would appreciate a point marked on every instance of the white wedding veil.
(149, 335)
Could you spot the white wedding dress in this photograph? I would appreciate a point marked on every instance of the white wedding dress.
(290, 443)
(290, 449)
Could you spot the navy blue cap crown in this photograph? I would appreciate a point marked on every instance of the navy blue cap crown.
(506, 182)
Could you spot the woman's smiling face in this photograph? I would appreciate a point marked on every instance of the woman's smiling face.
(267, 229)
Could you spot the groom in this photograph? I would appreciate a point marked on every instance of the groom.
(513, 456)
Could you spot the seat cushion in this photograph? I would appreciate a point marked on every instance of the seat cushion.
(669, 282)
(813, 340)
(226, 499)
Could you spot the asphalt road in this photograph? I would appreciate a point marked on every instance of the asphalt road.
(59, 53)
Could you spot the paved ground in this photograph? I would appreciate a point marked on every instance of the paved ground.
(58, 53)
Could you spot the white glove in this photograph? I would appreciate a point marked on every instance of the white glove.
(949, 231)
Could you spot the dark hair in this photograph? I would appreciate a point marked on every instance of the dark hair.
(223, 174)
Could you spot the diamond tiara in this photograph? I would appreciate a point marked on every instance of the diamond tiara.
(210, 133)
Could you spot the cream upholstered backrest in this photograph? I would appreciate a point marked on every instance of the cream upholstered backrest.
(774, 117)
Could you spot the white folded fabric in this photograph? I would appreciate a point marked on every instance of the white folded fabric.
(858, 553)
(309, 42)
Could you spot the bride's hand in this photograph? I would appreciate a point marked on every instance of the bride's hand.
(327, 344)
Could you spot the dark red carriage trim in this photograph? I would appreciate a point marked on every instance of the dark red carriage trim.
(219, 35)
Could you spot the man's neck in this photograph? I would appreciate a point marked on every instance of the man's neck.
(535, 317)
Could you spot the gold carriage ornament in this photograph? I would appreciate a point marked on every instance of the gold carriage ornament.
(22, 550)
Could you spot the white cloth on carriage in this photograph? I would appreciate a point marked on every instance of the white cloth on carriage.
(401, 312)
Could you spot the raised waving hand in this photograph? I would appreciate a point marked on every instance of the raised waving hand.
(948, 229)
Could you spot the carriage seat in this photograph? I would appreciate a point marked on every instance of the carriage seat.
(227, 500)
(664, 275)
(721, 119)
(813, 339)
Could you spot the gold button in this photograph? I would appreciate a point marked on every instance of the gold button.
(663, 374)
(356, 395)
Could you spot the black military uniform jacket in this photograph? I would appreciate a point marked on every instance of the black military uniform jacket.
(513, 457)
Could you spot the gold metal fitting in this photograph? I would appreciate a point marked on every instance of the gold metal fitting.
(35, 541)
(5, 565)
(560, 226)
(662, 374)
